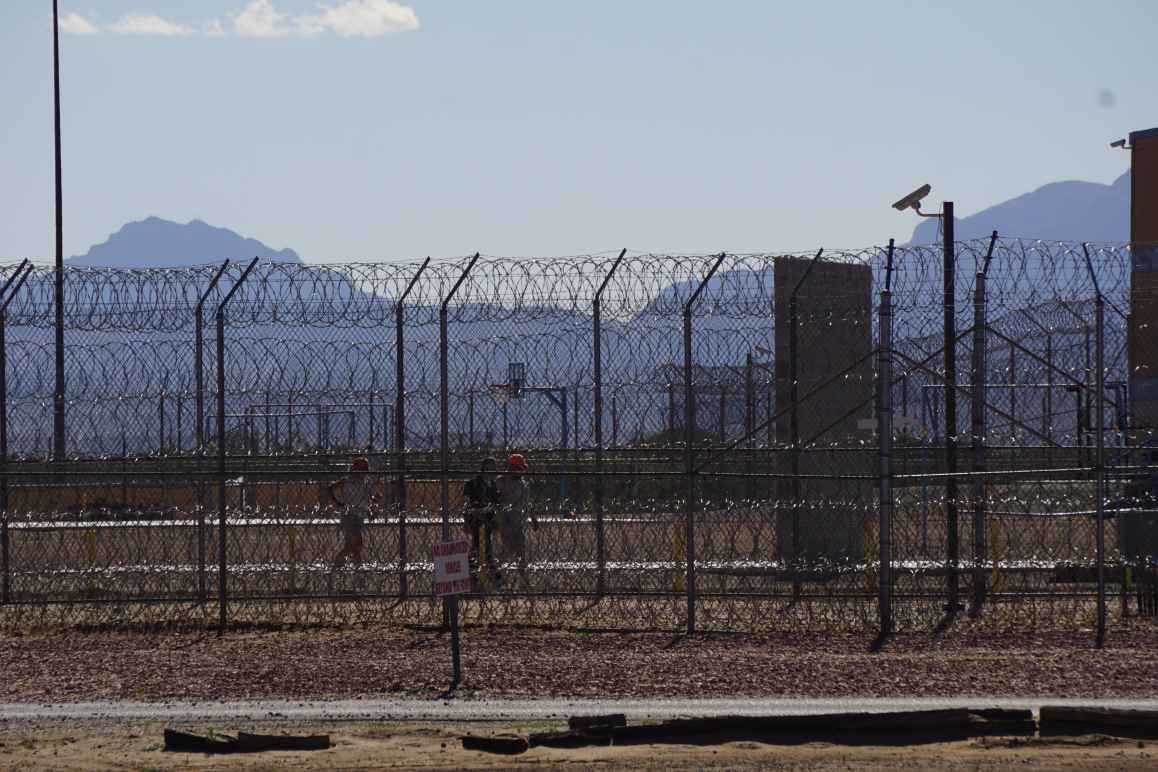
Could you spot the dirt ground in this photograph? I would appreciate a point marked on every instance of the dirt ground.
(138, 746)
(50, 745)
(385, 661)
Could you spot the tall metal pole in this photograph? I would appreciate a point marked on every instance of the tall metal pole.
(597, 387)
(1100, 419)
(978, 378)
(450, 602)
(199, 358)
(952, 583)
(5, 563)
(885, 447)
(400, 426)
(58, 447)
(199, 385)
(222, 593)
(1100, 426)
(222, 553)
(690, 452)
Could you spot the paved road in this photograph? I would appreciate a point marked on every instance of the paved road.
(501, 710)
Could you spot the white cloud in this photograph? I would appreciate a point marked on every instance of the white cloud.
(360, 18)
(148, 24)
(75, 24)
(261, 19)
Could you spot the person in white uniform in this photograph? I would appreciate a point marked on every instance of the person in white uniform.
(511, 513)
(354, 494)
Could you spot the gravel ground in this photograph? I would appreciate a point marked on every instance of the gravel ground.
(513, 662)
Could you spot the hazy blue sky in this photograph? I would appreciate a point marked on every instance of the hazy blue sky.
(375, 130)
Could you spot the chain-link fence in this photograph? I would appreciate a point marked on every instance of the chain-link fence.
(708, 439)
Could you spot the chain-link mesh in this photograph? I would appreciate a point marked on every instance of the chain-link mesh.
(773, 490)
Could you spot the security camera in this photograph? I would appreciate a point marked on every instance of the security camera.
(913, 200)
(1118, 143)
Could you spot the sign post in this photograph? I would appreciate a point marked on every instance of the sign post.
(451, 579)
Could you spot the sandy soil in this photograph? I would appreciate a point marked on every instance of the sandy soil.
(388, 661)
(138, 746)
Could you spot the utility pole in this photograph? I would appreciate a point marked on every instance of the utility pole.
(58, 449)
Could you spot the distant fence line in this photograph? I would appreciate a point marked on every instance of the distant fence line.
(324, 335)
(504, 289)
(847, 437)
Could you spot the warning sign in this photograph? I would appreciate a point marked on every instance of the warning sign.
(452, 567)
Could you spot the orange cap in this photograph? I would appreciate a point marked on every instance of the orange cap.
(516, 461)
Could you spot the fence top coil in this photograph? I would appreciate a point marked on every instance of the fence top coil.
(502, 289)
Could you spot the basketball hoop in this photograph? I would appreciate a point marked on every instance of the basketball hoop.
(501, 392)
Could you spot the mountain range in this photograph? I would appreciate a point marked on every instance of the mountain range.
(1060, 211)
(157, 243)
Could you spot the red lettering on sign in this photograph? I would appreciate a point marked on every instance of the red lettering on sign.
(451, 548)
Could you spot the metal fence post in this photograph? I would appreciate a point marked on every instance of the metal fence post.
(952, 580)
(198, 355)
(689, 450)
(5, 556)
(450, 602)
(1049, 385)
(749, 426)
(222, 591)
(564, 486)
(597, 385)
(161, 422)
(1012, 381)
(978, 377)
(400, 427)
(575, 423)
(1100, 419)
(199, 385)
(794, 420)
(58, 392)
(1100, 428)
(470, 419)
(885, 447)
(723, 402)
(614, 419)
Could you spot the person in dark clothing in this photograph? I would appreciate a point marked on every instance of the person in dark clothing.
(482, 495)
